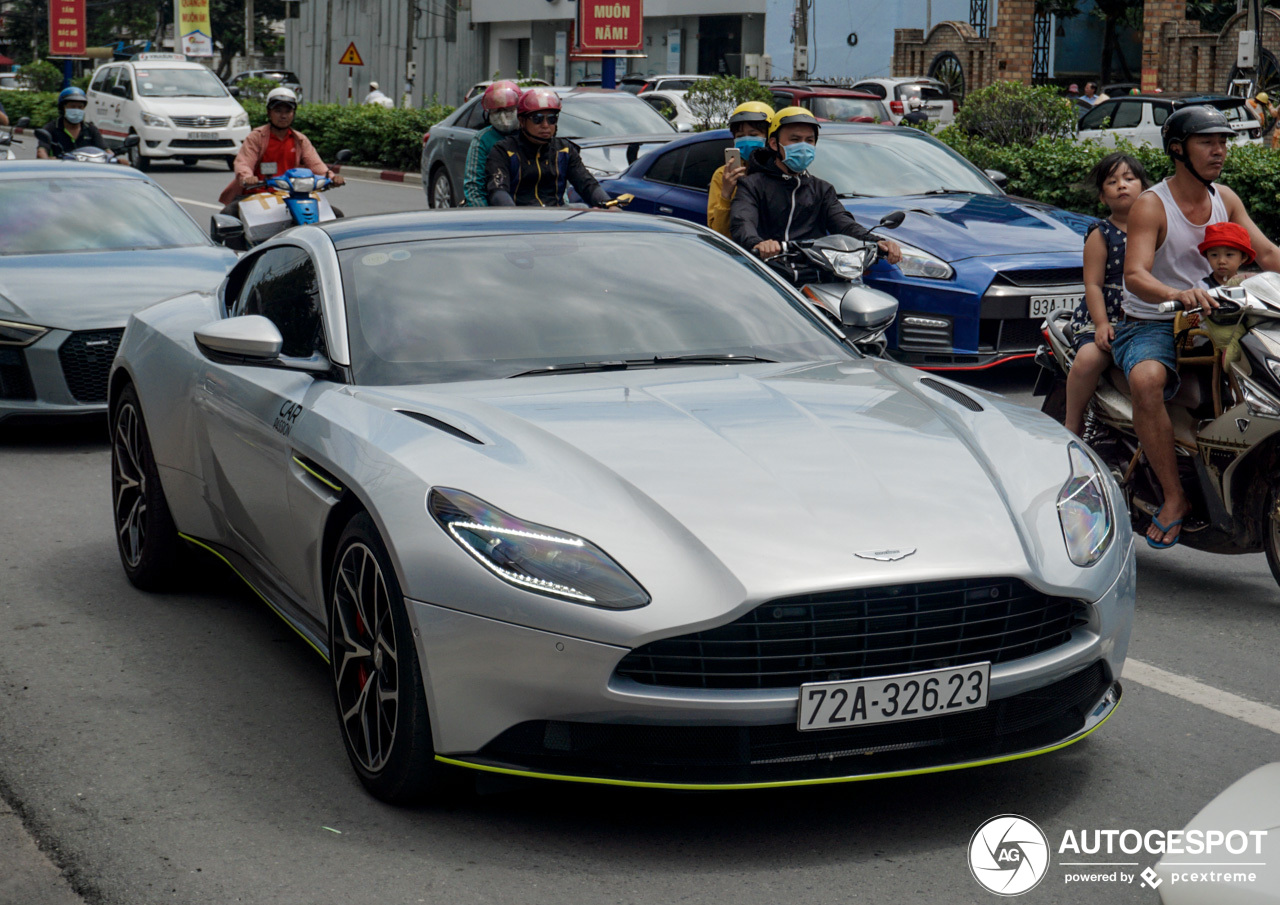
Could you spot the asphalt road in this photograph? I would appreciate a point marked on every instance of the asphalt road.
(183, 749)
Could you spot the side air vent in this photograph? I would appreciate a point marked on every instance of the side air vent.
(953, 394)
(441, 426)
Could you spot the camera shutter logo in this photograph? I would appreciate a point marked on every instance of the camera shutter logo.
(1008, 855)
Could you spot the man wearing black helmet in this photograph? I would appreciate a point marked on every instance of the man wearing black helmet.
(1163, 262)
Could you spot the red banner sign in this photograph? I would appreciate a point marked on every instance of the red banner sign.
(66, 28)
(610, 25)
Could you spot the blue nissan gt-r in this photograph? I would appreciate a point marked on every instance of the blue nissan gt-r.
(981, 269)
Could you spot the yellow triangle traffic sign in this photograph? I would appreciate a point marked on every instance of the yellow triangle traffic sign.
(351, 57)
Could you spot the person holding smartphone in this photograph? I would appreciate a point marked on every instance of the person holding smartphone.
(749, 125)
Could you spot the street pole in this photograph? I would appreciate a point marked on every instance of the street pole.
(800, 60)
(250, 48)
(409, 69)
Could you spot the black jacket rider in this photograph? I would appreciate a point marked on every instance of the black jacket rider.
(523, 173)
(89, 137)
(786, 207)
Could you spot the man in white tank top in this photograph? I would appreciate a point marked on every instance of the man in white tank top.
(1163, 262)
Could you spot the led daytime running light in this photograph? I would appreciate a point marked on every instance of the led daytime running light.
(514, 577)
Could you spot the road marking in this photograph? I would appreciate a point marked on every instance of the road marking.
(1255, 714)
(216, 207)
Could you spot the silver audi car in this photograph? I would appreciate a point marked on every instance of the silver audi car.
(594, 496)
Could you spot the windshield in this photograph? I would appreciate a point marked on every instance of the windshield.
(922, 90)
(592, 117)
(611, 159)
(178, 83)
(64, 214)
(847, 109)
(885, 163)
(496, 306)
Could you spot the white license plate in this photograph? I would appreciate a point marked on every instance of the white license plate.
(892, 699)
(202, 136)
(1044, 305)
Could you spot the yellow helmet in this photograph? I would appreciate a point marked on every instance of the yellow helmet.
(751, 112)
(792, 116)
(1262, 98)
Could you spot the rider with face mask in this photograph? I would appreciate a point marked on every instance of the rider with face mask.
(780, 201)
(749, 125)
(499, 103)
(70, 130)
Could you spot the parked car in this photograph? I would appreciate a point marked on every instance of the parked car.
(981, 269)
(282, 77)
(478, 88)
(835, 104)
(587, 113)
(590, 497)
(673, 108)
(11, 81)
(178, 110)
(84, 246)
(899, 92)
(1138, 118)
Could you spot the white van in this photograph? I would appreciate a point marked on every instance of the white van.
(178, 110)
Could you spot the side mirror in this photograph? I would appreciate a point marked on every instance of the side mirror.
(893, 219)
(224, 227)
(233, 90)
(343, 156)
(130, 142)
(251, 337)
(120, 91)
(684, 127)
(43, 136)
(865, 310)
(22, 122)
(1000, 179)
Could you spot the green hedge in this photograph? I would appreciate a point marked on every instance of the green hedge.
(41, 106)
(1053, 170)
(377, 136)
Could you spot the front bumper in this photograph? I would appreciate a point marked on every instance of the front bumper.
(516, 700)
(178, 142)
(62, 374)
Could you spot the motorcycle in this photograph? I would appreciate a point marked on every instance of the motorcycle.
(294, 200)
(828, 271)
(6, 138)
(88, 154)
(1226, 420)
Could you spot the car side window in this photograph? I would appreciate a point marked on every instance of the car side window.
(781, 99)
(667, 167)
(872, 88)
(126, 79)
(1100, 116)
(99, 82)
(700, 163)
(1159, 113)
(283, 287)
(474, 118)
(1128, 115)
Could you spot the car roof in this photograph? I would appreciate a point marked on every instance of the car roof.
(828, 128)
(409, 226)
(166, 64)
(1182, 97)
(52, 169)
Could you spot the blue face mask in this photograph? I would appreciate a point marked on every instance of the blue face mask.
(72, 115)
(748, 145)
(799, 157)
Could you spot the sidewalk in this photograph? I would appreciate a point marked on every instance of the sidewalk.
(27, 877)
(373, 175)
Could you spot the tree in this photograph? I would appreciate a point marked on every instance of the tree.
(226, 18)
(711, 100)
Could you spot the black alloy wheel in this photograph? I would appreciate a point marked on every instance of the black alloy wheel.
(150, 549)
(377, 682)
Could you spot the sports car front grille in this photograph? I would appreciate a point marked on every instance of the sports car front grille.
(725, 754)
(862, 633)
(15, 379)
(86, 362)
(1048, 276)
(201, 122)
(1015, 334)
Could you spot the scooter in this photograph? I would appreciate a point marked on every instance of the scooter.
(6, 138)
(294, 200)
(88, 154)
(828, 272)
(1226, 420)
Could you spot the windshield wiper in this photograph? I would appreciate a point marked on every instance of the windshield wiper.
(947, 191)
(852, 195)
(584, 367)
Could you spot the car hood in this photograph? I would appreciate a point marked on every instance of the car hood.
(95, 290)
(785, 474)
(193, 106)
(959, 226)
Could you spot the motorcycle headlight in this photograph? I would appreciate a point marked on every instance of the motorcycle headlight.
(534, 557)
(1084, 511)
(240, 121)
(849, 264)
(15, 334)
(919, 263)
(305, 184)
(150, 119)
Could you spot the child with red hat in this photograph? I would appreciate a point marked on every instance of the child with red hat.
(1227, 247)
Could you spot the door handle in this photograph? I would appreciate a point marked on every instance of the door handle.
(663, 209)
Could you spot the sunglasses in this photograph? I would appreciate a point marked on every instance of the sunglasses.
(540, 118)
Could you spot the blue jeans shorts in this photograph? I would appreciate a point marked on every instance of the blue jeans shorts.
(1138, 341)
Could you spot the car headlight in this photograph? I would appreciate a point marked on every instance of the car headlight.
(850, 264)
(919, 263)
(15, 334)
(1083, 510)
(240, 121)
(150, 119)
(303, 184)
(534, 557)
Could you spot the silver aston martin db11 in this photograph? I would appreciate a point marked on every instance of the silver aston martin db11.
(594, 496)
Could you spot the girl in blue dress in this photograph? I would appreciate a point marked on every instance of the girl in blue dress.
(1118, 179)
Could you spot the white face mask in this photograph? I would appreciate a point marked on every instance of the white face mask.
(73, 115)
(504, 120)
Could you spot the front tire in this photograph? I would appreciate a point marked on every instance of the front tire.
(377, 682)
(136, 158)
(441, 189)
(150, 549)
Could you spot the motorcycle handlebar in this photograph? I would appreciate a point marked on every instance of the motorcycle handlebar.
(1225, 306)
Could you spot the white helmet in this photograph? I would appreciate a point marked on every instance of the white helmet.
(281, 96)
(373, 86)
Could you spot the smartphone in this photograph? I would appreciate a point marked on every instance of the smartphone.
(732, 157)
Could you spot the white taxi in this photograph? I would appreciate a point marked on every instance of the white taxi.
(178, 109)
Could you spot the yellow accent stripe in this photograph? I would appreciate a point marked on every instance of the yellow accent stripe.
(319, 477)
(696, 787)
(199, 543)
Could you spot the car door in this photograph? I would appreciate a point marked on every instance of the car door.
(688, 197)
(1126, 122)
(250, 412)
(1096, 124)
(99, 96)
(457, 142)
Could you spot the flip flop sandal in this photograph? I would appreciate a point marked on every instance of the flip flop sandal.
(1164, 529)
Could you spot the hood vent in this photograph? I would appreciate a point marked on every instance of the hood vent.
(441, 426)
(953, 394)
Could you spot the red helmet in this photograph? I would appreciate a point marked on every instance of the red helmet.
(536, 99)
(500, 94)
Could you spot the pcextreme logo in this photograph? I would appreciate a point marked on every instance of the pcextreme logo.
(1008, 855)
